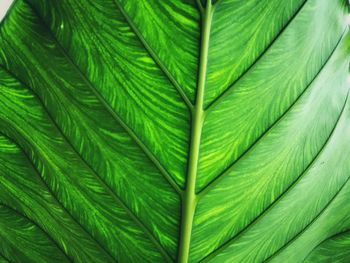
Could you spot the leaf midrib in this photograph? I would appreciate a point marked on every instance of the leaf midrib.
(189, 201)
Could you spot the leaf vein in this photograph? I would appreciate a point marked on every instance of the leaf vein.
(218, 178)
(113, 113)
(280, 197)
(55, 197)
(309, 224)
(100, 180)
(212, 104)
(36, 224)
(154, 55)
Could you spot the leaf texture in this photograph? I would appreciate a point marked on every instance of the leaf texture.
(175, 131)
(324, 252)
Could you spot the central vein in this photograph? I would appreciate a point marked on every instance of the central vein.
(189, 200)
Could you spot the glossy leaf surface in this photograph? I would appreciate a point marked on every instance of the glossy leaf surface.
(175, 131)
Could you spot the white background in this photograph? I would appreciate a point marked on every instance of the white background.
(4, 6)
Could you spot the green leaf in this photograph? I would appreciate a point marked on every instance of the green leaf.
(175, 131)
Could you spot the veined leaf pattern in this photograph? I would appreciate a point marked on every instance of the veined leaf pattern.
(175, 131)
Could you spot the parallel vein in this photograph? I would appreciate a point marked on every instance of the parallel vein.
(217, 179)
(113, 113)
(309, 224)
(279, 198)
(339, 234)
(36, 224)
(102, 182)
(217, 100)
(56, 199)
(154, 56)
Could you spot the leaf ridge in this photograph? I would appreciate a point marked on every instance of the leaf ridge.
(113, 113)
(35, 223)
(226, 91)
(154, 55)
(101, 181)
(280, 197)
(218, 178)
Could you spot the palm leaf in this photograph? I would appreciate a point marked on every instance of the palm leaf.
(180, 130)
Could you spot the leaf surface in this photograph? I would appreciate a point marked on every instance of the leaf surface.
(174, 131)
